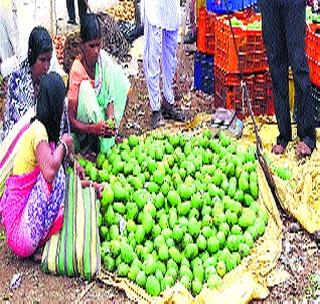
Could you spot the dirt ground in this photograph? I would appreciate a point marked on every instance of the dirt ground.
(300, 256)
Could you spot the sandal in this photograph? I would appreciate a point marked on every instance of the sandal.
(278, 149)
(170, 112)
(303, 150)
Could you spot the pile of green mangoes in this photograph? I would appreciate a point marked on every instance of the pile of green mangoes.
(177, 207)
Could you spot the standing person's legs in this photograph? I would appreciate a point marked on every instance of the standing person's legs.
(295, 29)
(82, 9)
(169, 67)
(169, 63)
(192, 16)
(275, 40)
(71, 11)
(191, 34)
(151, 62)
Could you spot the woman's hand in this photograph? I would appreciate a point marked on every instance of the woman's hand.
(109, 111)
(97, 187)
(102, 129)
(80, 171)
(49, 162)
(68, 140)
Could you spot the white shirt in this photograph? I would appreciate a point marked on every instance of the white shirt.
(14, 35)
(165, 14)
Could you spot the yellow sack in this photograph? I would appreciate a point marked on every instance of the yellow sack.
(300, 196)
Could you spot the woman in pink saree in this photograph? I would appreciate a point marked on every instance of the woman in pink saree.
(31, 207)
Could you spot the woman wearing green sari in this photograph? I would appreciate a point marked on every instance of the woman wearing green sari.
(98, 90)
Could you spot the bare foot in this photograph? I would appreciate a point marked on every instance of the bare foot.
(278, 149)
(303, 150)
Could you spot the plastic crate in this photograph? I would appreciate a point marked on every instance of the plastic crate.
(314, 67)
(313, 42)
(313, 53)
(251, 50)
(206, 32)
(199, 5)
(225, 6)
(249, 3)
(203, 73)
(228, 92)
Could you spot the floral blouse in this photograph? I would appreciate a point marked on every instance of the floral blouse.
(20, 97)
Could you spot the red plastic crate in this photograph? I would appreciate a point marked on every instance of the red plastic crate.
(313, 42)
(314, 67)
(206, 32)
(252, 53)
(313, 53)
(228, 92)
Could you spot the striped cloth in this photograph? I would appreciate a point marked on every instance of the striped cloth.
(75, 251)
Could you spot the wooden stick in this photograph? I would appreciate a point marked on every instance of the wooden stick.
(85, 291)
(88, 7)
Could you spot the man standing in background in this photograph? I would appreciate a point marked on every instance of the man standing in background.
(284, 30)
(82, 6)
(161, 20)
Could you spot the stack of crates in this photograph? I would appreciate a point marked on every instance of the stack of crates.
(206, 39)
(251, 57)
(204, 56)
(251, 60)
(313, 56)
(215, 45)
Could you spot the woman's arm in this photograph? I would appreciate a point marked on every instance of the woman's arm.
(76, 77)
(100, 129)
(76, 124)
(48, 162)
(110, 110)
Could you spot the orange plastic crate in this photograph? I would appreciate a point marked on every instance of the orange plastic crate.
(252, 53)
(313, 53)
(314, 67)
(228, 92)
(313, 42)
(206, 32)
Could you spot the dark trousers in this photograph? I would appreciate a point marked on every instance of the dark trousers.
(284, 29)
(71, 11)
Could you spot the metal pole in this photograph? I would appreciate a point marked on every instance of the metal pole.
(181, 47)
(52, 17)
(137, 15)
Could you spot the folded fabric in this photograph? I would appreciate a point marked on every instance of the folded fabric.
(75, 251)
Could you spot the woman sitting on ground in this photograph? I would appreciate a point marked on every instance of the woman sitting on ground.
(98, 90)
(23, 85)
(32, 204)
